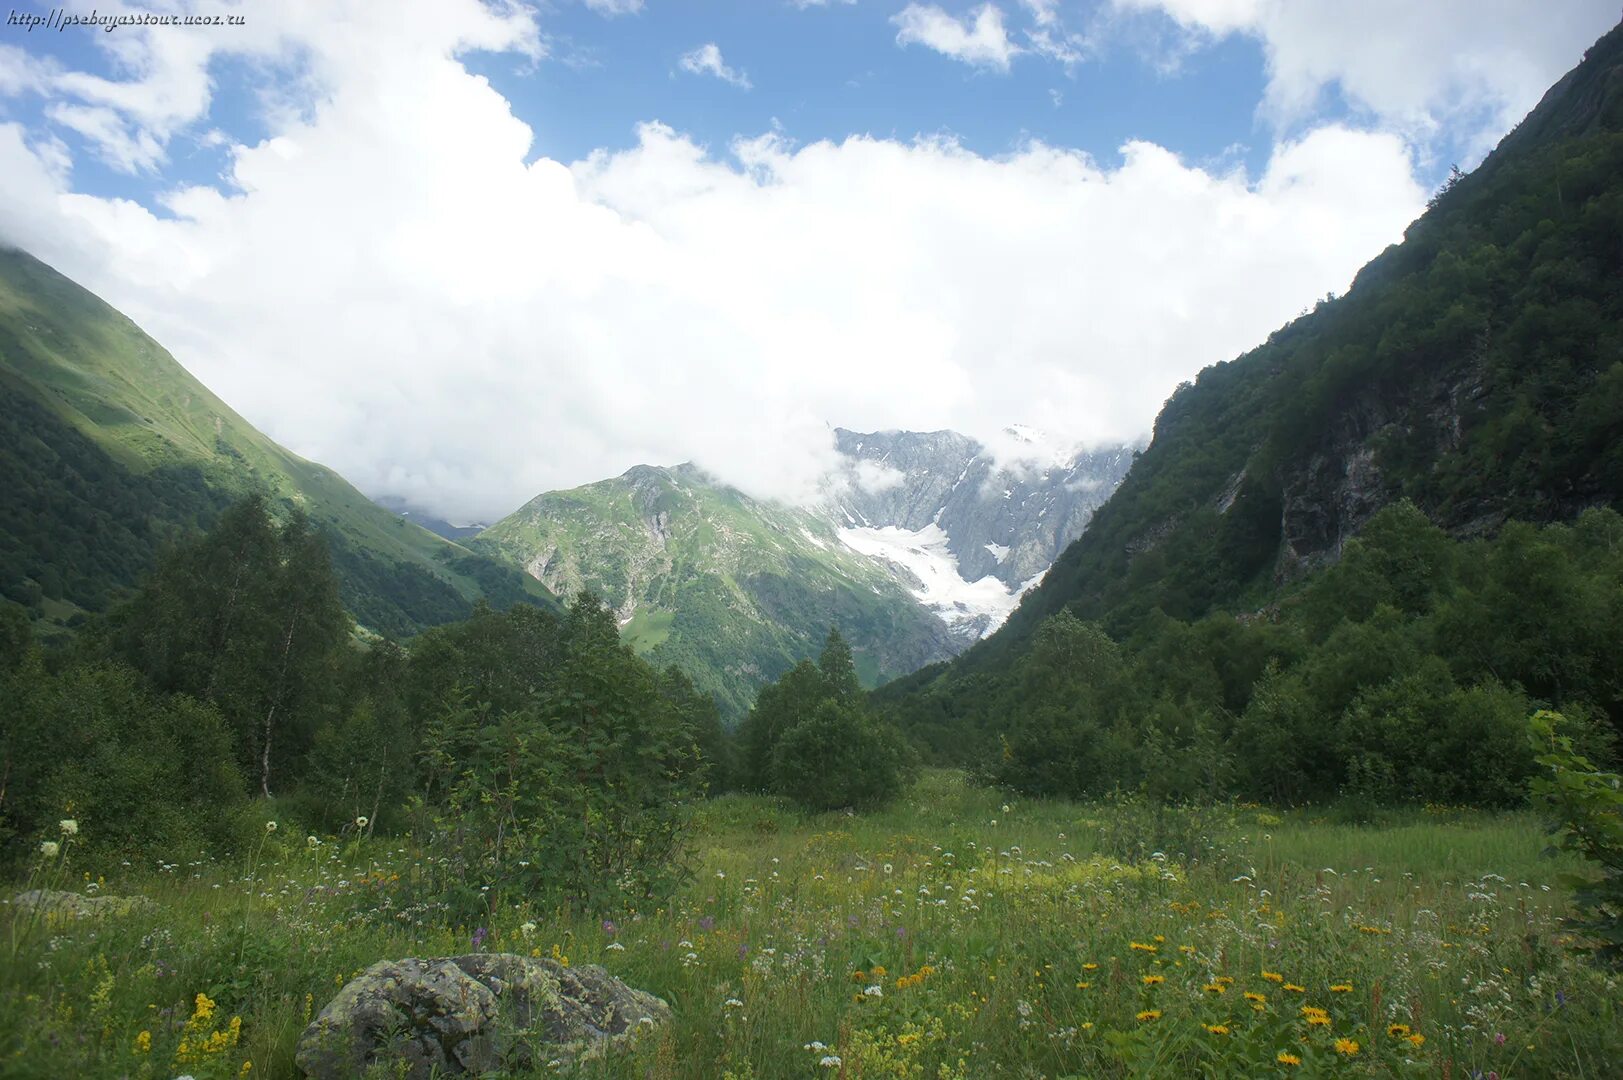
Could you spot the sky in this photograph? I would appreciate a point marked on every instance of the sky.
(464, 252)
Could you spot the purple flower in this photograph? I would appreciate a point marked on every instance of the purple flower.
(479, 936)
(1499, 1039)
(743, 951)
(707, 924)
(609, 927)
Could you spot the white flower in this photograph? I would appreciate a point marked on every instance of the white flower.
(873, 991)
(887, 868)
(68, 826)
(311, 842)
(1005, 808)
(270, 826)
(615, 946)
(49, 849)
(527, 929)
(361, 822)
(830, 1061)
(732, 1003)
(815, 1045)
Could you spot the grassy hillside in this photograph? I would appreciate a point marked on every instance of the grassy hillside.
(1476, 369)
(731, 590)
(110, 449)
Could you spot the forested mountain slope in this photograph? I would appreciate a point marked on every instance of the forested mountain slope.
(109, 450)
(1475, 369)
(1366, 549)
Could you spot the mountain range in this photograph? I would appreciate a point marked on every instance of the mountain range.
(920, 544)
(111, 450)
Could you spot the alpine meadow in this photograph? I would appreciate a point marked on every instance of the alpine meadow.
(813, 596)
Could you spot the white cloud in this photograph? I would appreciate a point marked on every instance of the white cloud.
(615, 7)
(1417, 67)
(393, 284)
(706, 60)
(980, 40)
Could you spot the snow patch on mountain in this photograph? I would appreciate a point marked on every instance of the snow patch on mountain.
(931, 574)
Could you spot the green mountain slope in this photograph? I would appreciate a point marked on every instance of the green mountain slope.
(1476, 369)
(731, 590)
(109, 448)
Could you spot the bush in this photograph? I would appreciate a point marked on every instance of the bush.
(840, 757)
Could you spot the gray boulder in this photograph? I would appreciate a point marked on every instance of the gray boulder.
(471, 1015)
(67, 905)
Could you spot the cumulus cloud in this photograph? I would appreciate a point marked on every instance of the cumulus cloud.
(1415, 67)
(392, 282)
(706, 60)
(615, 7)
(979, 39)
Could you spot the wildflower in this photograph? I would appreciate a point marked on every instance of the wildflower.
(247, 1067)
(1005, 808)
(1273, 976)
(830, 1061)
(68, 826)
(732, 1003)
(907, 1038)
(527, 928)
(879, 971)
(1139, 946)
(1187, 950)
(1160, 939)
(143, 1042)
(1318, 1020)
(1398, 1031)
(1090, 967)
(1154, 980)
(49, 849)
(1341, 988)
(1293, 988)
(1416, 1040)
(1217, 1029)
(1285, 1058)
(1310, 1011)
(859, 976)
(1084, 985)
(874, 992)
(1252, 995)
(1347, 1046)
(270, 826)
(1149, 1014)
(479, 936)
(362, 822)
(311, 842)
(1215, 988)
(887, 868)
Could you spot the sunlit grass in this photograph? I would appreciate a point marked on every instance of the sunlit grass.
(953, 934)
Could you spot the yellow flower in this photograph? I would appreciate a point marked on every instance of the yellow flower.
(1084, 985)
(1293, 988)
(1273, 976)
(1287, 1059)
(1341, 988)
(1215, 988)
(1150, 1014)
(1347, 1046)
(1090, 967)
(1398, 1031)
(1217, 1029)
(907, 1038)
(1160, 939)
(1318, 1021)
(879, 971)
(859, 976)
(1417, 1040)
(1252, 995)
(1225, 980)
(1311, 1011)
(1154, 980)
(1188, 950)
(1141, 947)
(143, 1042)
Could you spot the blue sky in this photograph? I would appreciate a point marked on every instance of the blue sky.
(469, 250)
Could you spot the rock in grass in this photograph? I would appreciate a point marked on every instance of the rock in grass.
(471, 1015)
(67, 905)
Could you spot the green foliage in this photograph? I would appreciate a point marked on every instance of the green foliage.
(1400, 674)
(152, 773)
(555, 764)
(839, 756)
(811, 737)
(246, 619)
(1587, 805)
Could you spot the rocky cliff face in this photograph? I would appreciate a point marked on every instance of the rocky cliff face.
(965, 531)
